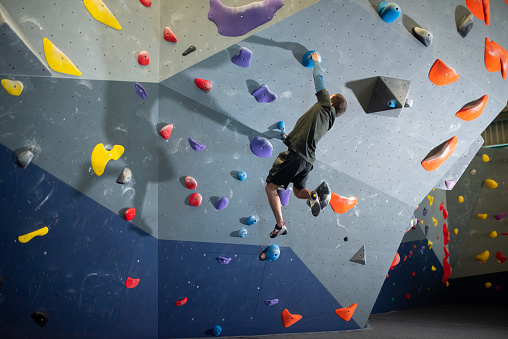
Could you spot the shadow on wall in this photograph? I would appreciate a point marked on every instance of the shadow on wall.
(363, 90)
(297, 49)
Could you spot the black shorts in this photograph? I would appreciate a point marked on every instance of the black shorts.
(289, 167)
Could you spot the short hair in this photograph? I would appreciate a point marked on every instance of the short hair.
(339, 103)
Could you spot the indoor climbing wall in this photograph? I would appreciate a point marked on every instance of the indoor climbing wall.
(108, 85)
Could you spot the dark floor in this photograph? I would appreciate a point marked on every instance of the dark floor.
(450, 322)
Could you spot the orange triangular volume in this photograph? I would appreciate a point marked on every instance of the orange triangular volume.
(486, 11)
(289, 319)
(342, 204)
(492, 57)
(503, 55)
(476, 7)
(347, 312)
(473, 110)
(433, 162)
(440, 74)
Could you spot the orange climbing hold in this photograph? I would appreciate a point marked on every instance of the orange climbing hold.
(347, 312)
(433, 162)
(289, 319)
(492, 57)
(473, 109)
(480, 9)
(395, 261)
(503, 54)
(441, 74)
(342, 204)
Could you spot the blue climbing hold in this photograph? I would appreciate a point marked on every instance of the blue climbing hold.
(307, 60)
(271, 302)
(252, 220)
(221, 203)
(242, 58)
(284, 195)
(282, 126)
(263, 94)
(392, 103)
(272, 253)
(242, 175)
(261, 147)
(242, 232)
(217, 330)
(140, 90)
(389, 12)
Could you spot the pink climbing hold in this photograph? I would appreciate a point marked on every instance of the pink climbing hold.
(449, 183)
(130, 214)
(205, 85)
(195, 199)
(169, 35)
(131, 283)
(500, 216)
(190, 182)
(146, 3)
(143, 58)
(181, 302)
(165, 131)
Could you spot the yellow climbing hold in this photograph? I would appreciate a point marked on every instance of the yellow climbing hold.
(434, 221)
(433, 268)
(482, 216)
(485, 158)
(447, 283)
(431, 200)
(482, 257)
(101, 13)
(57, 60)
(456, 231)
(100, 157)
(490, 183)
(434, 189)
(12, 87)
(461, 199)
(493, 234)
(488, 285)
(430, 244)
(27, 237)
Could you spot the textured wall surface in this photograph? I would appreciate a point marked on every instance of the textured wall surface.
(373, 157)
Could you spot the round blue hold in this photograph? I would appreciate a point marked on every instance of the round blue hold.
(252, 220)
(242, 175)
(389, 12)
(272, 253)
(307, 60)
(392, 103)
(217, 330)
(242, 232)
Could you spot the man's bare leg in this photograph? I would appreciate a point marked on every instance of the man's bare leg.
(301, 193)
(274, 200)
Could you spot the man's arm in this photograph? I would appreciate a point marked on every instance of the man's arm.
(318, 72)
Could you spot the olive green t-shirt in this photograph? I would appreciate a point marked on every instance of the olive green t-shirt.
(311, 127)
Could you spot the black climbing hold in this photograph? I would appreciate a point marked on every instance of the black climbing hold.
(346, 239)
(359, 256)
(189, 50)
(40, 318)
(424, 36)
(465, 25)
(25, 156)
(125, 176)
(385, 90)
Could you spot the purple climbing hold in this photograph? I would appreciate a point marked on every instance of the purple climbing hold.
(221, 203)
(424, 268)
(500, 216)
(141, 91)
(426, 230)
(242, 58)
(422, 249)
(261, 147)
(237, 21)
(223, 260)
(195, 146)
(449, 183)
(284, 195)
(425, 210)
(271, 302)
(263, 94)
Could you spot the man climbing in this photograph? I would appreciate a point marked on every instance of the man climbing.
(295, 164)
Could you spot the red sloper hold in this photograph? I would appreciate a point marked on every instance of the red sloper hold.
(146, 3)
(169, 35)
(190, 182)
(181, 302)
(130, 214)
(500, 257)
(195, 199)
(143, 58)
(165, 131)
(446, 266)
(131, 283)
(205, 85)
(446, 234)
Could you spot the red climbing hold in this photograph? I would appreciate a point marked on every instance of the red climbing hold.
(131, 283)
(446, 234)
(130, 214)
(190, 182)
(181, 302)
(408, 296)
(165, 131)
(143, 58)
(195, 199)
(289, 319)
(205, 85)
(146, 3)
(441, 206)
(413, 274)
(347, 312)
(169, 35)
(446, 266)
(395, 261)
(441, 74)
(500, 257)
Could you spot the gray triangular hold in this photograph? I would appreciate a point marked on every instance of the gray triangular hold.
(359, 256)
